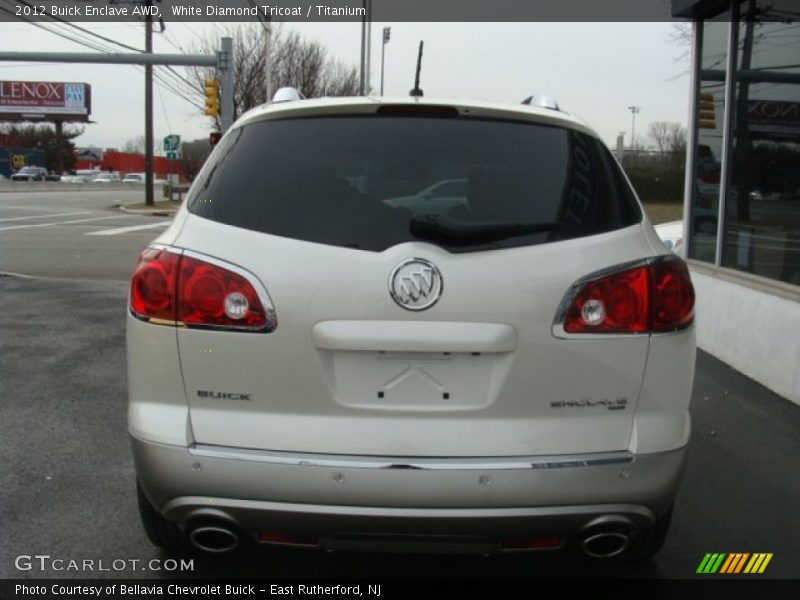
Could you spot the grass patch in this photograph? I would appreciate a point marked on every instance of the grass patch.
(663, 213)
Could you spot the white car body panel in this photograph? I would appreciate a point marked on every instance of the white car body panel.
(290, 378)
(359, 422)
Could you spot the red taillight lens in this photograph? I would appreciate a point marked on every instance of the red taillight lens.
(190, 291)
(653, 298)
(673, 296)
(617, 303)
(153, 285)
(210, 295)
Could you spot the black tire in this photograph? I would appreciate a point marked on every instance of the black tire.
(649, 542)
(160, 531)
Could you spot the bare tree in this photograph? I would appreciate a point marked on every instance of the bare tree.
(681, 37)
(134, 145)
(668, 137)
(296, 61)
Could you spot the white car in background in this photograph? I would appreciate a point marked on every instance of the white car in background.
(312, 366)
(133, 178)
(107, 178)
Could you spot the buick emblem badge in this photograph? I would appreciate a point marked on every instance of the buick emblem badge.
(415, 284)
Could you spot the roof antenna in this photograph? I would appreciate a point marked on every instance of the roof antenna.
(416, 92)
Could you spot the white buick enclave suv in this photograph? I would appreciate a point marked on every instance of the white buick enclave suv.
(313, 363)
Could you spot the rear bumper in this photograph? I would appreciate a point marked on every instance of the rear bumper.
(358, 502)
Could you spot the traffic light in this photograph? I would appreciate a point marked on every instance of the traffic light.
(706, 112)
(212, 98)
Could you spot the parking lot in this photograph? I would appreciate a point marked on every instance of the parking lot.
(67, 480)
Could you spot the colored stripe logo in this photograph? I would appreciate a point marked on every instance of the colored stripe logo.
(734, 563)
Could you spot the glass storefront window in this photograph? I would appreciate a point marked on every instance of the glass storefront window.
(761, 144)
(762, 216)
(708, 151)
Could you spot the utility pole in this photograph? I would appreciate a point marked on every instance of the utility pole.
(742, 157)
(634, 110)
(59, 147)
(387, 34)
(225, 68)
(148, 109)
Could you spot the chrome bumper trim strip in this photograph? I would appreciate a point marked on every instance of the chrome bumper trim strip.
(343, 461)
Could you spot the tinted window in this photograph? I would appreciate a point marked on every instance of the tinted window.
(371, 182)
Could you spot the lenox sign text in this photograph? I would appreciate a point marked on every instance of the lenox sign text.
(44, 97)
(35, 92)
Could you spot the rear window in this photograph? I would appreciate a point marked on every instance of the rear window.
(370, 182)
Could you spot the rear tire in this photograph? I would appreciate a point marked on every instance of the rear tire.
(160, 531)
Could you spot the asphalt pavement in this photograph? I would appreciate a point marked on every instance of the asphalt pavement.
(73, 234)
(67, 477)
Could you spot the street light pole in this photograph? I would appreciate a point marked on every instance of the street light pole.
(387, 34)
(634, 110)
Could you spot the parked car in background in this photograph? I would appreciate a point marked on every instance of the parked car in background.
(30, 173)
(72, 178)
(314, 364)
(133, 178)
(441, 196)
(106, 178)
(81, 176)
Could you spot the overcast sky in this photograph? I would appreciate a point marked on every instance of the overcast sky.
(594, 70)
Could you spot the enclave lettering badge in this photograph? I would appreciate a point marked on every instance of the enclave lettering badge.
(610, 403)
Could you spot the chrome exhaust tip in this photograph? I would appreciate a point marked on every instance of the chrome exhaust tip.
(605, 544)
(214, 539)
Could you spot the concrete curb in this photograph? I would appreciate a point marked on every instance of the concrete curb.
(153, 212)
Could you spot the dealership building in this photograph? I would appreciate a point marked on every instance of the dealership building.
(742, 193)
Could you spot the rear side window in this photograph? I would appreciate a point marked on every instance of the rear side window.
(370, 182)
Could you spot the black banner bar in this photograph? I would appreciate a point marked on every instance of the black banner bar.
(199, 589)
(333, 11)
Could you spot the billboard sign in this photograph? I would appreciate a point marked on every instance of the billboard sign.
(44, 100)
(773, 119)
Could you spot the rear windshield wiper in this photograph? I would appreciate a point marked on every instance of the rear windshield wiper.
(463, 233)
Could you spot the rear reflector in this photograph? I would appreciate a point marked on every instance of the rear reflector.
(171, 287)
(653, 297)
(534, 544)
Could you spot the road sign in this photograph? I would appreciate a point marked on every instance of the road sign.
(172, 155)
(171, 143)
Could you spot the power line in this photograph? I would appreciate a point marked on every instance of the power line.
(80, 29)
(171, 80)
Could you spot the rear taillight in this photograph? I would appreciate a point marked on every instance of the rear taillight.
(153, 285)
(179, 288)
(652, 297)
